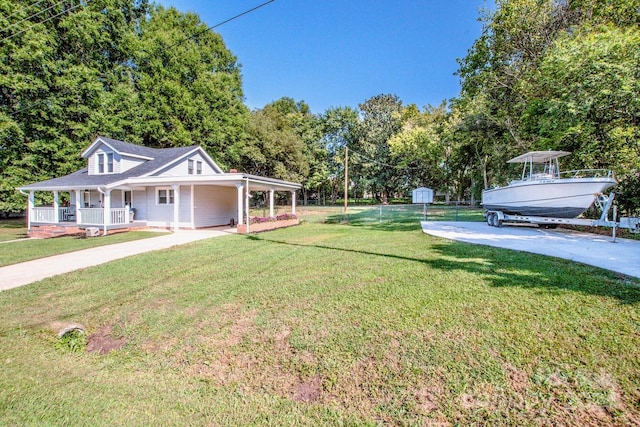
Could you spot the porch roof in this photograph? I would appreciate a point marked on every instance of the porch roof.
(81, 180)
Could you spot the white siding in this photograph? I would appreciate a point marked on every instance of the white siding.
(182, 168)
(125, 163)
(185, 206)
(162, 215)
(120, 163)
(139, 203)
(157, 215)
(91, 165)
(93, 161)
(215, 205)
(116, 199)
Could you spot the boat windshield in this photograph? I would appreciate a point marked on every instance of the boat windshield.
(532, 171)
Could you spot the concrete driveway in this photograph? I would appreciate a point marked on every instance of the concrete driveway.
(13, 276)
(623, 256)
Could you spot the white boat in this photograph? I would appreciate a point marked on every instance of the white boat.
(544, 191)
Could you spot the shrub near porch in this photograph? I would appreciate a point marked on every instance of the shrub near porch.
(258, 224)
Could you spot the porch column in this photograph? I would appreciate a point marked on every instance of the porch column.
(293, 202)
(248, 204)
(176, 206)
(56, 208)
(107, 211)
(193, 205)
(271, 191)
(77, 205)
(240, 188)
(31, 204)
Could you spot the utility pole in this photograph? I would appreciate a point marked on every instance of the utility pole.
(346, 178)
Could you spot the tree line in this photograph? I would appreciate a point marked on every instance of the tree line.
(544, 74)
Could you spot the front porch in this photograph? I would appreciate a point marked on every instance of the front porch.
(45, 222)
(80, 216)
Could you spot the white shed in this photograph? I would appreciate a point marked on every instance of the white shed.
(422, 195)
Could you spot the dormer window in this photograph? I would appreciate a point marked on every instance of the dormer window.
(199, 170)
(190, 166)
(102, 161)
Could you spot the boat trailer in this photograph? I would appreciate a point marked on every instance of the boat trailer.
(605, 203)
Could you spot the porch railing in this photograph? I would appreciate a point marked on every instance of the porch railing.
(87, 216)
(66, 213)
(44, 214)
(120, 216)
(95, 216)
(91, 216)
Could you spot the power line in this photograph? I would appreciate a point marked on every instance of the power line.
(14, 113)
(31, 16)
(246, 12)
(42, 22)
(21, 10)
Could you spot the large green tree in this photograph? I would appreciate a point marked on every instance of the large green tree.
(551, 74)
(375, 169)
(58, 58)
(275, 144)
(188, 86)
(72, 70)
(422, 148)
(338, 126)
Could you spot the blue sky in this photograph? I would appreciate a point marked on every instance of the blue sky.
(332, 53)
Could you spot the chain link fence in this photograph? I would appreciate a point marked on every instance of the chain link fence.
(390, 214)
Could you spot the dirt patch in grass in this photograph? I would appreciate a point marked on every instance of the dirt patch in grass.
(308, 391)
(103, 342)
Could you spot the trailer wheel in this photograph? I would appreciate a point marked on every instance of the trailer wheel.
(490, 216)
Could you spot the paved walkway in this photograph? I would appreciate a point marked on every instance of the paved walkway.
(623, 256)
(13, 276)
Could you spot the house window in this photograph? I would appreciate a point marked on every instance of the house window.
(165, 196)
(110, 162)
(199, 164)
(190, 166)
(101, 162)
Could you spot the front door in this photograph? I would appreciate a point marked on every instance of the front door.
(127, 198)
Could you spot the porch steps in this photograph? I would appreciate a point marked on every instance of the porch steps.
(48, 231)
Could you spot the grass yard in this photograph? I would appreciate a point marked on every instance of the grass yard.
(12, 229)
(325, 324)
(29, 249)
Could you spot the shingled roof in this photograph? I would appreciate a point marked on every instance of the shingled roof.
(160, 157)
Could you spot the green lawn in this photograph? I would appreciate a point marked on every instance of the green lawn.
(326, 324)
(12, 229)
(28, 249)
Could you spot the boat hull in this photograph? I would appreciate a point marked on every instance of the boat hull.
(559, 198)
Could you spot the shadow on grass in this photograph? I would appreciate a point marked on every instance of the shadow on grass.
(507, 268)
(401, 220)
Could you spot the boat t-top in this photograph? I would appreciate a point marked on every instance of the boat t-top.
(544, 191)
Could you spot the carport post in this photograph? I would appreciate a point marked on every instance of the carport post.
(106, 210)
(240, 188)
(56, 207)
(248, 196)
(32, 204)
(293, 202)
(77, 205)
(271, 191)
(176, 206)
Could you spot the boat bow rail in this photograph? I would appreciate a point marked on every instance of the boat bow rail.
(587, 173)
